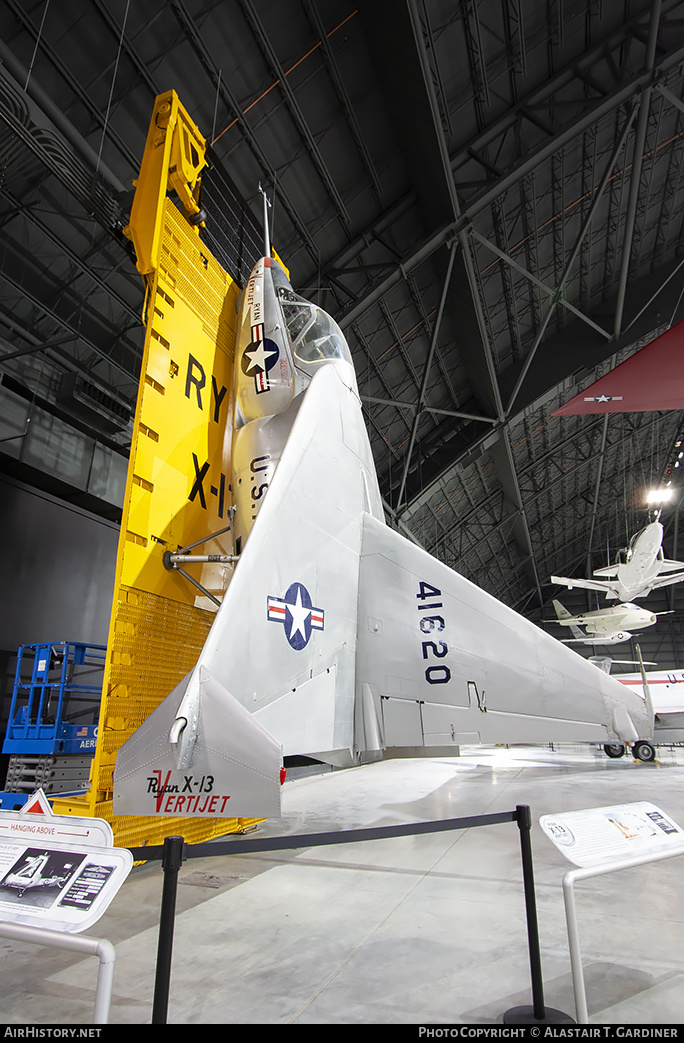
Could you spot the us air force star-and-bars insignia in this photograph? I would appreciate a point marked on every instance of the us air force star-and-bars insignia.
(603, 398)
(298, 615)
(260, 357)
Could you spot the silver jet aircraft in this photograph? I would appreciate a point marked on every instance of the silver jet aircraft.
(337, 638)
(606, 626)
(640, 568)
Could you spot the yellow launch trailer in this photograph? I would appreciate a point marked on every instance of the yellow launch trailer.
(177, 490)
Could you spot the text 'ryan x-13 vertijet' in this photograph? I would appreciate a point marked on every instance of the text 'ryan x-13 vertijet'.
(337, 638)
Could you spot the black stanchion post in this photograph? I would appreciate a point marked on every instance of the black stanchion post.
(538, 1013)
(172, 860)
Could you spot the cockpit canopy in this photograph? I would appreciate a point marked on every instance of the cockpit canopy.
(314, 335)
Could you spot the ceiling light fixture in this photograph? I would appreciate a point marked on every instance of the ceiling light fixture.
(659, 495)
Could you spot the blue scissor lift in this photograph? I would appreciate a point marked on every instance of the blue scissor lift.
(52, 728)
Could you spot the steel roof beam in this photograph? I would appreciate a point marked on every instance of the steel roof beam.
(428, 325)
(505, 466)
(343, 96)
(574, 73)
(508, 285)
(464, 300)
(467, 283)
(571, 350)
(128, 48)
(19, 9)
(84, 269)
(599, 475)
(639, 144)
(556, 295)
(413, 406)
(535, 496)
(426, 373)
(560, 285)
(76, 333)
(379, 372)
(513, 175)
(219, 84)
(295, 110)
(399, 342)
(43, 139)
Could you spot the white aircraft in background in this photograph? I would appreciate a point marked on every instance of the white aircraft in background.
(667, 688)
(607, 626)
(666, 694)
(640, 569)
(337, 638)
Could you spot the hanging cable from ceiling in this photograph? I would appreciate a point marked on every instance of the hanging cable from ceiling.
(111, 89)
(35, 49)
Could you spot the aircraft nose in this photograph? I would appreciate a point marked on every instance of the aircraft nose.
(278, 276)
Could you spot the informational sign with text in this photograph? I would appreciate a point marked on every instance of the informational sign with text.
(596, 836)
(57, 872)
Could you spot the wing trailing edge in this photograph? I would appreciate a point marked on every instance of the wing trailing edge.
(587, 584)
(446, 661)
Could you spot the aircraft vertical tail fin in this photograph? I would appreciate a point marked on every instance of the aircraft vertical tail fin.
(562, 613)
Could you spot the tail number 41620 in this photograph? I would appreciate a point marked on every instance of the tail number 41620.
(430, 623)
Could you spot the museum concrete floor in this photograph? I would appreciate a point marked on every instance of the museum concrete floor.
(414, 930)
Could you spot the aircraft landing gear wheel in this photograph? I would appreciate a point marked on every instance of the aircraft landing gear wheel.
(643, 751)
(614, 749)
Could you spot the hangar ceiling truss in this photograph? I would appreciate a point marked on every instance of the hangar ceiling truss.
(486, 195)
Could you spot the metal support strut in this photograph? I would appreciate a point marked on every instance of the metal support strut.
(174, 560)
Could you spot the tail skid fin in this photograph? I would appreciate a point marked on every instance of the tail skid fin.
(230, 765)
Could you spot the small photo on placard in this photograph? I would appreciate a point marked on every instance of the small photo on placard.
(39, 877)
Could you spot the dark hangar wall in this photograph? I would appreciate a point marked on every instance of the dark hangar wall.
(56, 575)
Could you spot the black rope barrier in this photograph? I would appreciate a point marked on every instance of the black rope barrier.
(175, 851)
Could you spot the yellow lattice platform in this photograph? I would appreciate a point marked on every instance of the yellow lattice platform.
(177, 486)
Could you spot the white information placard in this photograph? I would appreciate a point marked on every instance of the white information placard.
(58, 886)
(595, 836)
(56, 871)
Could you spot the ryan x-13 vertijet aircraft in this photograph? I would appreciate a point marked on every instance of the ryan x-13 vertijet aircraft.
(337, 638)
(640, 569)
